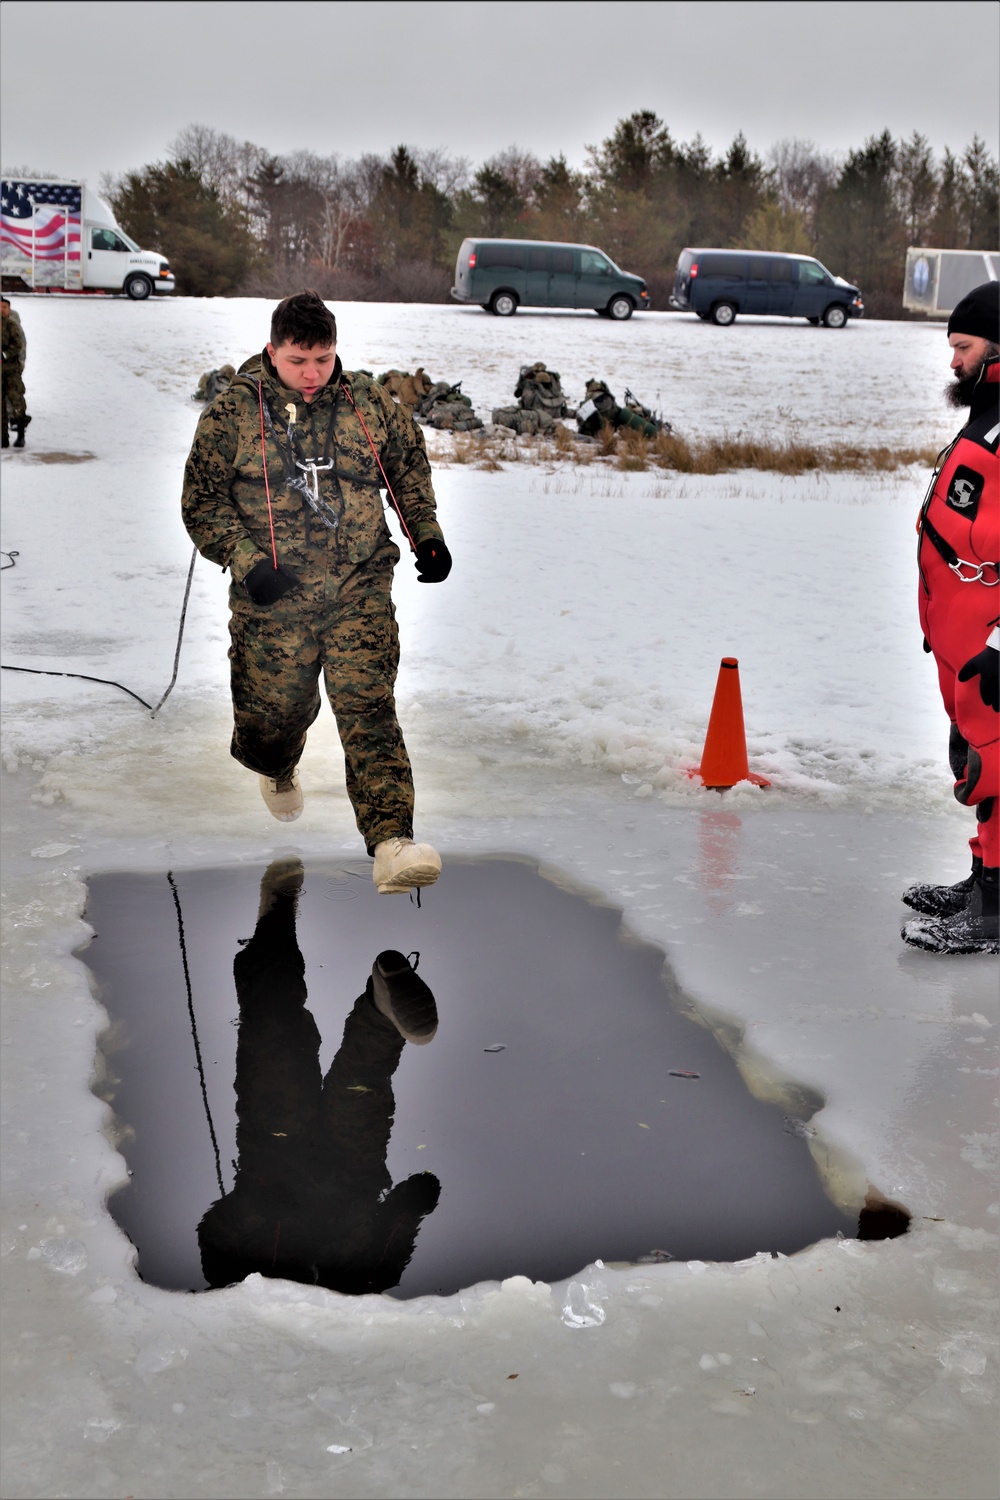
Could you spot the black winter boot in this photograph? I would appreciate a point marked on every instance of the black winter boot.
(943, 900)
(974, 929)
(19, 427)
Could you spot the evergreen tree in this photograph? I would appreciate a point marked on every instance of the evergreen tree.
(947, 229)
(916, 187)
(980, 198)
(409, 214)
(167, 204)
(862, 236)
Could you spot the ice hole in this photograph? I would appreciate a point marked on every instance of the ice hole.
(566, 1110)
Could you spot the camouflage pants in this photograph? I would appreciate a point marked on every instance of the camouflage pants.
(13, 393)
(277, 656)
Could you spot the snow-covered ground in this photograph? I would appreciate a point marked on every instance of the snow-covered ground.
(553, 694)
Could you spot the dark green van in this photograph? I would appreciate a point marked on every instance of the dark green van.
(503, 275)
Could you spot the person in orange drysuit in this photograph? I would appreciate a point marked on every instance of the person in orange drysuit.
(958, 553)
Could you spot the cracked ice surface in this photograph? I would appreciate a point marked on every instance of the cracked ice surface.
(552, 692)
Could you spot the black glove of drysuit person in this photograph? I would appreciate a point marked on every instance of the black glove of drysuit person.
(266, 584)
(985, 666)
(433, 561)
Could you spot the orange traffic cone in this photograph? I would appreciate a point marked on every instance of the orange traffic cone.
(724, 758)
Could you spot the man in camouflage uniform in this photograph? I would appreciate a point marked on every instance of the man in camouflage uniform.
(282, 487)
(14, 410)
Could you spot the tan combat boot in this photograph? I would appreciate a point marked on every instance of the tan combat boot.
(283, 797)
(400, 865)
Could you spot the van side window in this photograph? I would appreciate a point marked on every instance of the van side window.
(722, 265)
(106, 239)
(592, 264)
(562, 261)
(499, 254)
(538, 259)
(810, 274)
(758, 268)
(781, 270)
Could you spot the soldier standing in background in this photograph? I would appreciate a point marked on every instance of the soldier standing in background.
(15, 348)
(282, 487)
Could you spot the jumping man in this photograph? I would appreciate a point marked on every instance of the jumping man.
(282, 487)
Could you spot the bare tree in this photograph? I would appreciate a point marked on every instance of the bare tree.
(799, 175)
(221, 161)
(449, 174)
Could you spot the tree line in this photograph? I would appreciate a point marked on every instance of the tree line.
(235, 218)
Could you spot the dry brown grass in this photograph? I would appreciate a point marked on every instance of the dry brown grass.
(722, 455)
(629, 451)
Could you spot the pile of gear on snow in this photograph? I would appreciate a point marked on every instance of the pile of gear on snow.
(600, 408)
(433, 403)
(540, 402)
(213, 383)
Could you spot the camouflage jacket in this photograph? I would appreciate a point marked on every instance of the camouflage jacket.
(224, 502)
(14, 342)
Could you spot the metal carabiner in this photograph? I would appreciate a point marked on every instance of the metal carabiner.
(311, 471)
(976, 574)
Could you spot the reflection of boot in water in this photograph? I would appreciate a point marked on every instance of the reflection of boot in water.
(403, 998)
(283, 877)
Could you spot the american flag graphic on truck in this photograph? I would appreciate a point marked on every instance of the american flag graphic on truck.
(40, 221)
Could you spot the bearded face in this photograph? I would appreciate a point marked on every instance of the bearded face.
(958, 392)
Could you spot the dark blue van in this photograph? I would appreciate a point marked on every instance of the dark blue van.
(719, 284)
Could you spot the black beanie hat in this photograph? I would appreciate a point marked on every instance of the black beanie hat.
(978, 313)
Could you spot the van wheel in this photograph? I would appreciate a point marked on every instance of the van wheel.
(835, 315)
(503, 304)
(138, 288)
(723, 313)
(620, 308)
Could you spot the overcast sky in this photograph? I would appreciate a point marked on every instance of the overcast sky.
(92, 86)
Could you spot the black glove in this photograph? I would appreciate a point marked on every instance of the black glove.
(985, 666)
(266, 584)
(433, 561)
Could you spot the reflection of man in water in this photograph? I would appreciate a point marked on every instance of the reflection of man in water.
(313, 1200)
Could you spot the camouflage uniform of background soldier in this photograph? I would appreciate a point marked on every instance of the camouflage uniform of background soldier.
(319, 602)
(15, 347)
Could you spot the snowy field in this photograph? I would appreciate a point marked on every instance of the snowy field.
(554, 692)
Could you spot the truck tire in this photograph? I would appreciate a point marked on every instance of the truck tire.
(620, 308)
(835, 316)
(138, 288)
(723, 314)
(503, 304)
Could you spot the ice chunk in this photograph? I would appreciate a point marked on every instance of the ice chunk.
(580, 1310)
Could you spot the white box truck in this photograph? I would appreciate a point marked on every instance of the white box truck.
(937, 280)
(60, 236)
